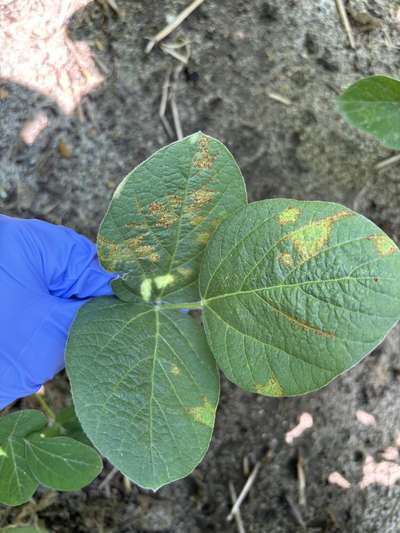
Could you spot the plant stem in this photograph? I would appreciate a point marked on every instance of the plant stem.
(45, 406)
(192, 305)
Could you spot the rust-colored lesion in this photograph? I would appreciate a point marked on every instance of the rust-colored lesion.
(203, 237)
(289, 215)
(118, 253)
(286, 259)
(197, 220)
(271, 388)
(302, 324)
(200, 198)
(135, 225)
(384, 245)
(197, 201)
(174, 200)
(166, 212)
(310, 239)
(204, 414)
(204, 160)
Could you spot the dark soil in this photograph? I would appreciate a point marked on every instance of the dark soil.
(241, 53)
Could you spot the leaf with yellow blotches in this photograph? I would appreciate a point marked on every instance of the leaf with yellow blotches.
(163, 214)
(151, 407)
(295, 293)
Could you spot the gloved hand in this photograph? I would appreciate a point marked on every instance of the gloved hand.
(46, 273)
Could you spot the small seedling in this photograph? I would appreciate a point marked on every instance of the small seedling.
(33, 453)
(292, 294)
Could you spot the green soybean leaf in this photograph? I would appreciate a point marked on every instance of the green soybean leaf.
(67, 425)
(373, 106)
(145, 388)
(162, 215)
(295, 293)
(17, 484)
(62, 463)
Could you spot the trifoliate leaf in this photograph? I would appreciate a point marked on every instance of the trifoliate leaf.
(17, 484)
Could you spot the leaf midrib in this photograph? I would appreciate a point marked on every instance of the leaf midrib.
(294, 285)
(151, 400)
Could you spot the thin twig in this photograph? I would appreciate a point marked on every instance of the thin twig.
(238, 516)
(175, 24)
(101, 65)
(127, 485)
(163, 104)
(388, 162)
(174, 107)
(172, 52)
(107, 480)
(244, 491)
(301, 476)
(296, 512)
(246, 465)
(279, 98)
(113, 5)
(107, 4)
(345, 21)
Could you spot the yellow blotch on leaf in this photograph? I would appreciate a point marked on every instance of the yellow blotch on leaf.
(175, 370)
(204, 414)
(2, 452)
(310, 239)
(204, 159)
(185, 271)
(164, 213)
(203, 238)
(163, 281)
(197, 220)
(145, 289)
(384, 245)
(271, 388)
(289, 215)
(200, 198)
(286, 259)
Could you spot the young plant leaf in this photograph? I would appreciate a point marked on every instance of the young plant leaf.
(145, 388)
(17, 484)
(373, 106)
(67, 425)
(162, 215)
(295, 293)
(62, 463)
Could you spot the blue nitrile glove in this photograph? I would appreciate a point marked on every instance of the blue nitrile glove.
(46, 273)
